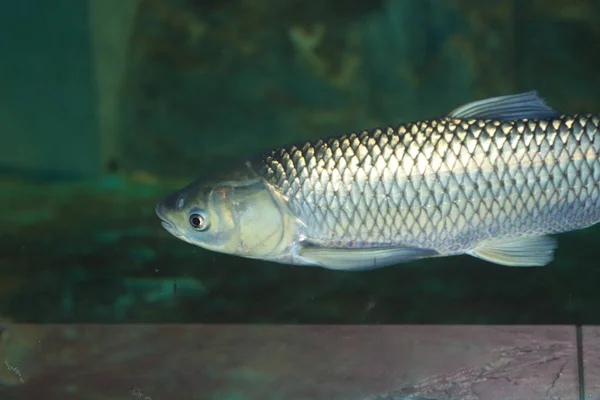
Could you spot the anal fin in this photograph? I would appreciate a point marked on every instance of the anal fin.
(362, 259)
(532, 251)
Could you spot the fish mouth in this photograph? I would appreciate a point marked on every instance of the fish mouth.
(169, 227)
(163, 220)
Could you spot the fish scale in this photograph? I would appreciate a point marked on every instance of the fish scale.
(443, 184)
(493, 179)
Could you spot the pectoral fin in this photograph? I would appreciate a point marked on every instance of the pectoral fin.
(362, 259)
(534, 251)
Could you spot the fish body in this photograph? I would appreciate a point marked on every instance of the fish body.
(493, 179)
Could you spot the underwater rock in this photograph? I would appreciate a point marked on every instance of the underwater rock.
(243, 76)
(19, 345)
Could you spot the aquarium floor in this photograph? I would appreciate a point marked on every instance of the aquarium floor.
(246, 362)
(95, 252)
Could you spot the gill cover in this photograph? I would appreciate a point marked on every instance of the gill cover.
(254, 216)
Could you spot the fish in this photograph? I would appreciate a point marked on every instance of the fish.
(495, 179)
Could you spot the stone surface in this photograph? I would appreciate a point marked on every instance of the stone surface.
(591, 361)
(294, 362)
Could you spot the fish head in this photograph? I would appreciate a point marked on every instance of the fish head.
(238, 214)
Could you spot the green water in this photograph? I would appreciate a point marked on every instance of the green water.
(100, 121)
(203, 85)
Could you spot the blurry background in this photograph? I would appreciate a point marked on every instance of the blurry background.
(108, 105)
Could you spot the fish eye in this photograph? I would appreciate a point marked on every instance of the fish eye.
(198, 221)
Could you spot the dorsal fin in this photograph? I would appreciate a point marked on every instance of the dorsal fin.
(513, 106)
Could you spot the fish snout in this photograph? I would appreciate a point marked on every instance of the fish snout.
(160, 210)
